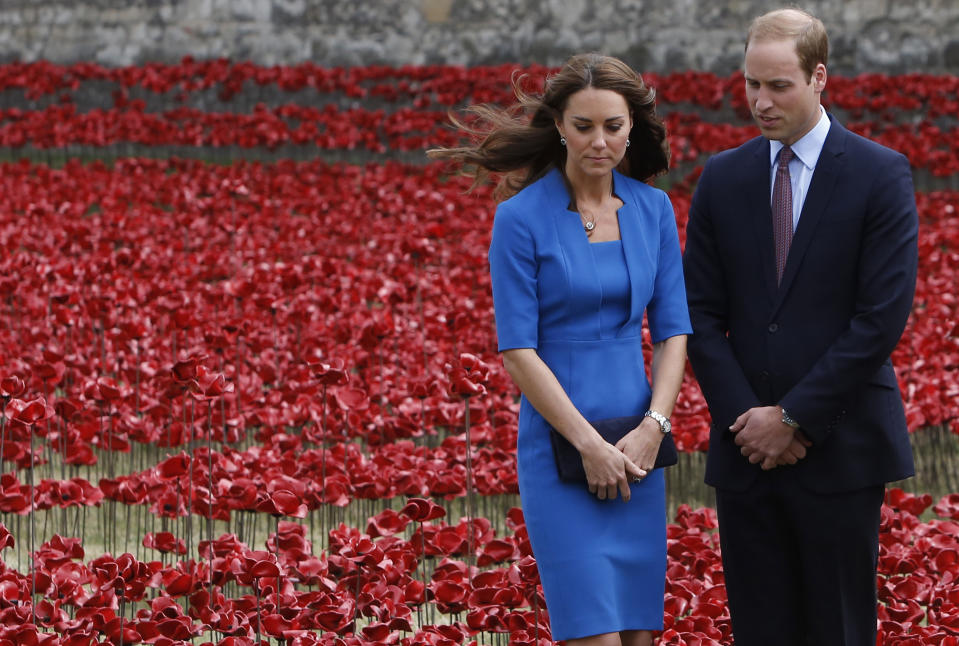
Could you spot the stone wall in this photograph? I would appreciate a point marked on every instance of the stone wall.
(890, 36)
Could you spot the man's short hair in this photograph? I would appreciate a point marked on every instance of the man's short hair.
(807, 31)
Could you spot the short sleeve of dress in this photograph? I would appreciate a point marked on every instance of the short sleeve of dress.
(513, 269)
(667, 311)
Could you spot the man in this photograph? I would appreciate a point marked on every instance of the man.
(800, 267)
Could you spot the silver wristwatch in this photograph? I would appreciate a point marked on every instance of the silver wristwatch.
(789, 421)
(663, 421)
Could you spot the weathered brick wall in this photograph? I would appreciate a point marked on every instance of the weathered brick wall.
(655, 35)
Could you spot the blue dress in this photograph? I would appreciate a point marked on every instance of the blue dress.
(602, 563)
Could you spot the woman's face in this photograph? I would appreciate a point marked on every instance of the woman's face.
(596, 125)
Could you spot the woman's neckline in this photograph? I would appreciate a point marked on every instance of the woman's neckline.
(606, 241)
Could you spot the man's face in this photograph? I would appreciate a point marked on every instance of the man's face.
(784, 103)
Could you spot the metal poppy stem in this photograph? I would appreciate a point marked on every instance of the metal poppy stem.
(279, 573)
(239, 364)
(189, 488)
(536, 614)
(356, 598)
(3, 427)
(109, 534)
(121, 618)
(139, 525)
(209, 506)
(33, 532)
(126, 534)
(256, 588)
(323, 508)
(470, 493)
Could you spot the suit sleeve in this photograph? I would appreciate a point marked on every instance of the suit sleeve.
(513, 272)
(888, 259)
(721, 378)
(667, 311)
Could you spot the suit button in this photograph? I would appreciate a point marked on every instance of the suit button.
(765, 375)
(773, 328)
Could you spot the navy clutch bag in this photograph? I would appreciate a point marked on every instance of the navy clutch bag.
(569, 462)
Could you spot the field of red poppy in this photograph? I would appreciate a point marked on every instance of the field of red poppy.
(248, 373)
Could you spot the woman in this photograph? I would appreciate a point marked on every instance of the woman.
(577, 255)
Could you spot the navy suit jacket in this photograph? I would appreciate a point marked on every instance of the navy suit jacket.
(819, 343)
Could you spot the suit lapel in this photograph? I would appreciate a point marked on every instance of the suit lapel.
(633, 246)
(581, 273)
(821, 188)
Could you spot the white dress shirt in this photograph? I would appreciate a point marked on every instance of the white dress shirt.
(801, 166)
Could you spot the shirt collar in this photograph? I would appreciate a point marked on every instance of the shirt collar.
(808, 148)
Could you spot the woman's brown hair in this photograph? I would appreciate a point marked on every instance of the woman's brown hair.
(521, 142)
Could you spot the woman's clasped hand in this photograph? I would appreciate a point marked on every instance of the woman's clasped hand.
(609, 470)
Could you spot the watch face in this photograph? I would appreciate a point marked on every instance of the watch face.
(664, 425)
(789, 421)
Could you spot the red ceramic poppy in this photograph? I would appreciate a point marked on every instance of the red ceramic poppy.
(915, 505)
(175, 466)
(164, 542)
(281, 503)
(948, 506)
(331, 372)
(208, 384)
(11, 386)
(28, 412)
(386, 523)
(185, 369)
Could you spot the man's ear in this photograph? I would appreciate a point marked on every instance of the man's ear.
(819, 77)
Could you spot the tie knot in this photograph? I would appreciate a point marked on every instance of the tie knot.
(785, 155)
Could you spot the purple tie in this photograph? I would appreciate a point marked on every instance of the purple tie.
(782, 211)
